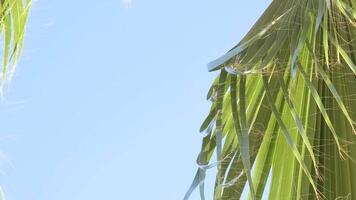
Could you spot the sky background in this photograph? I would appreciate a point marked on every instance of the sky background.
(109, 95)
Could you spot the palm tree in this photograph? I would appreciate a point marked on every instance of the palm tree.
(13, 18)
(283, 107)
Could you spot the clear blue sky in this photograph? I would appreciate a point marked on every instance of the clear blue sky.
(108, 98)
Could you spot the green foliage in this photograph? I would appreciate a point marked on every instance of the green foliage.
(13, 18)
(283, 106)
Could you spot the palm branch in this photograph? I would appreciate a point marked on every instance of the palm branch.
(13, 18)
(284, 105)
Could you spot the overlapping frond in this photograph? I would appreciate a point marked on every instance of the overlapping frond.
(284, 105)
(13, 18)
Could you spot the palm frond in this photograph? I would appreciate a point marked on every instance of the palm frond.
(284, 105)
(14, 14)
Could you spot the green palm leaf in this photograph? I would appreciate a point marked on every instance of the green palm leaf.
(284, 105)
(14, 14)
